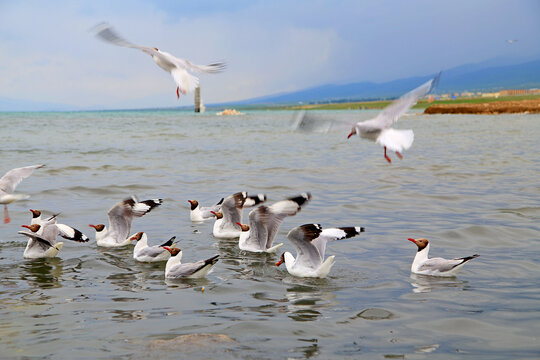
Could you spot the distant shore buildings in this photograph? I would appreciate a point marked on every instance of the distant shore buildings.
(506, 92)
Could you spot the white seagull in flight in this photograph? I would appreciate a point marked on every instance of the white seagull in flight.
(379, 129)
(180, 69)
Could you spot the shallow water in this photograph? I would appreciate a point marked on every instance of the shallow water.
(470, 184)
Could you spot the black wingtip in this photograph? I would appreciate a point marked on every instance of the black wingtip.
(214, 259)
(220, 201)
(169, 242)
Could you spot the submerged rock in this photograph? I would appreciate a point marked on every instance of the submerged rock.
(189, 340)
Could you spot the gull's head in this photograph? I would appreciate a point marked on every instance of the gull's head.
(421, 243)
(32, 228)
(35, 213)
(281, 260)
(353, 132)
(137, 236)
(98, 227)
(219, 214)
(174, 251)
(244, 227)
(156, 49)
(194, 204)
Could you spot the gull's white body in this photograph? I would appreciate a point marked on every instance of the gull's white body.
(310, 243)
(226, 227)
(9, 182)
(177, 67)
(144, 253)
(264, 223)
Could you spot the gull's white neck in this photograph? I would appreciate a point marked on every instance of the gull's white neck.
(420, 257)
(173, 261)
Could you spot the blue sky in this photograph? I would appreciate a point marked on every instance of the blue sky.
(47, 53)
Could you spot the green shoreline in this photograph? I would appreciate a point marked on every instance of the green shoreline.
(380, 104)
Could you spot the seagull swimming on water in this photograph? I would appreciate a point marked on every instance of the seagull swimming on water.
(435, 266)
(9, 182)
(378, 129)
(310, 243)
(180, 69)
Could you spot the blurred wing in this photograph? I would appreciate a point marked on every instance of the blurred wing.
(120, 218)
(43, 243)
(13, 177)
(301, 237)
(306, 121)
(258, 232)
(333, 234)
(106, 33)
(185, 64)
(397, 108)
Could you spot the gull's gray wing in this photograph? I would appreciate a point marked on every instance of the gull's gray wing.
(107, 33)
(278, 211)
(37, 240)
(311, 122)
(152, 251)
(444, 265)
(120, 218)
(398, 107)
(301, 237)
(13, 177)
(188, 269)
(232, 208)
(258, 232)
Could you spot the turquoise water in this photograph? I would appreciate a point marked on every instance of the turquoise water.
(470, 184)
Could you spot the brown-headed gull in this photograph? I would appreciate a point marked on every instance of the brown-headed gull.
(174, 269)
(310, 243)
(9, 182)
(378, 129)
(226, 225)
(180, 69)
(42, 242)
(264, 222)
(120, 218)
(435, 266)
(37, 219)
(144, 253)
(199, 213)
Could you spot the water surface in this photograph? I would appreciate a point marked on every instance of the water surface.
(470, 184)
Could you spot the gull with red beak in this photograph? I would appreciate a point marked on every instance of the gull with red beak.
(199, 213)
(378, 129)
(144, 253)
(435, 266)
(42, 242)
(226, 225)
(180, 69)
(174, 269)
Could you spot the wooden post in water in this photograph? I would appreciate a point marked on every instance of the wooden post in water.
(198, 99)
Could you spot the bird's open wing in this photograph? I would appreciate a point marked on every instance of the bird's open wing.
(398, 107)
(308, 121)
(107, 33)
(13, 177)
(186, 64)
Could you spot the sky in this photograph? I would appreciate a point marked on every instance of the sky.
(49, 56)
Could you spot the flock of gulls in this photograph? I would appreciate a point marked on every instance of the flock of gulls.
(259, 233)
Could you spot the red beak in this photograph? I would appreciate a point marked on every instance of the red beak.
(279, 262)
(167, 248)
(239, 224)
(351, 134)
(213, 212)
(25, 226)
(94, 226)
(189, 201)
(414, 241)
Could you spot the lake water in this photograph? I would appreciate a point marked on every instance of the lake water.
(470, 184)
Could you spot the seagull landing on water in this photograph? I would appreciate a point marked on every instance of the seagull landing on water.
(378, 129)
(435, 266)
(180, 69)
(9, 182)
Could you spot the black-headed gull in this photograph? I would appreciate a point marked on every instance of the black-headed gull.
(310, 243)
(435, 266)
(199, 213)
(9, 182)
(144, 253)
(178, 68)
(226, 225)
(42, 242)
(174, 269)
(120, 218)
(37, 219)
(378, 129)
(264, 222)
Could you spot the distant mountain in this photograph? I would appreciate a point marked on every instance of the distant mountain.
(473, 77)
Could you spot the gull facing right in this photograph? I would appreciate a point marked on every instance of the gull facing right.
(435, 266)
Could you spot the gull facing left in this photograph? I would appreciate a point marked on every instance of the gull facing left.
(180, 69)
(435, 266)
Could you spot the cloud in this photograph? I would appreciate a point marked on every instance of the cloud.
(269, 47)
